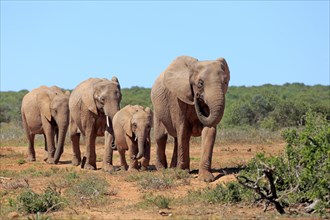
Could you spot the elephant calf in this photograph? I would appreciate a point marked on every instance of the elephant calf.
(132, 126)
(45, 110)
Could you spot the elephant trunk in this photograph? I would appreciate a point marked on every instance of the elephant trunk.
(141, 149)
(210, 114)
(60, 143)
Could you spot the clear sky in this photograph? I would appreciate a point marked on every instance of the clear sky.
(65, 42)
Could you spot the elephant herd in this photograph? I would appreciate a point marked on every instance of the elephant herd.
(188, 99)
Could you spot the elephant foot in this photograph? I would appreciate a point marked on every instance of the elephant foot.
(205, 175)
(144, 168)
(31, 159)
(133, 169)
(89, 167)
(123, 167)
(160, 166)
(50, 161)
(76, 162)
(108, 167)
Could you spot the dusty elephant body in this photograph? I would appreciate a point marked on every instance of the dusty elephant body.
(189, 100)
(132, 126)
(93, 104)
(45, 110)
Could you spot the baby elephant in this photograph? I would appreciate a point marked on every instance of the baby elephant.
(132, 126)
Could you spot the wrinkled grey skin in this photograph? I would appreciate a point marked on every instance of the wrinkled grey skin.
(93, 104)
(132, 126)
(189, 100)
(45, 110)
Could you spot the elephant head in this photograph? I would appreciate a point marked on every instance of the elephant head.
(103, 96)
(200, 83)
(137, 127)
(54, 105)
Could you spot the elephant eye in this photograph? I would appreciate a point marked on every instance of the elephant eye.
(200, 83)
(102, 100)
(134, 125)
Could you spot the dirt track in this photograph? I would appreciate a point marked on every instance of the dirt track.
(123, 205)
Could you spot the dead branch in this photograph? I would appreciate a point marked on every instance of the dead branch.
(270, 194)
(5, 178)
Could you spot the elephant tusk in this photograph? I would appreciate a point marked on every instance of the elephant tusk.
(108, 123)
(135, 138)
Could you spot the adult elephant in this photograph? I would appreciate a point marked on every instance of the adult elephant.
(189, 100)
(132, 126)
(45, 110)
(93, 104)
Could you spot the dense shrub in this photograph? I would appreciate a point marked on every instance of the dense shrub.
(268, 106)
(302, 172)
(10, 106)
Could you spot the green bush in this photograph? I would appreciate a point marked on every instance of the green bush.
(308, 152)
(302, 172)
(31, 202)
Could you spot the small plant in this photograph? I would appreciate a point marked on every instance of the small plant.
(89, 191)
(38, 216)
(31, 202)
(232, 192)
(160, 201)
(21, 161)
(167, 179)
(156, 182)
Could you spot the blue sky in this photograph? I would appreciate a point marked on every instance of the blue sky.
(65, 42)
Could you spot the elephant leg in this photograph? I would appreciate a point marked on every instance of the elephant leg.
(56, 137)
(208, 139)
(90, 146)
(107, 158)
(31, 151)
(46, 152)
(174, 161)
(49, 134)
(160, 138)
(123, 162)
(133, 150)
(30, 137)
(183, 147)
(146, 159)
(75, 137)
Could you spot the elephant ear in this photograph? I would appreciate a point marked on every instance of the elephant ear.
(88, 99)
(224, 67)
(115, 79)
(177, 78)
(149, 112)
(125, 117)
(44, 102)
(128, 128)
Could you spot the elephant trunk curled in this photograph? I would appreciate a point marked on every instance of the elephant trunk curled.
(210, 114)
